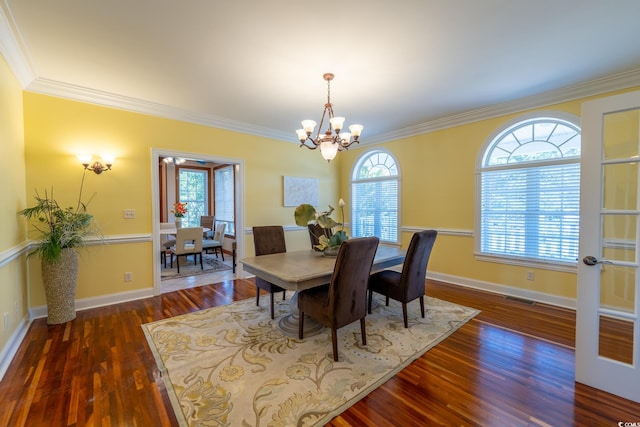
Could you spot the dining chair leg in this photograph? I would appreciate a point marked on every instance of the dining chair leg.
(300, 324)
(271, 298)
(404, 314)
(370, 301)
(284, 295)
(334, 343)
(178, 262)
(201, 266)
(387, 302)
(363, 330)
(257, 295)
(422, 305)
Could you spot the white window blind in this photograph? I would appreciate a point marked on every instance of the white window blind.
(532, 212)
(374, 191)
(224, 198)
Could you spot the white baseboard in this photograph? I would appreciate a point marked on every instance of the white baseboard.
(101, 301)
(504, 290)
(9, 351)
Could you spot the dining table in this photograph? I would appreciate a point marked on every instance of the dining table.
(305, 269)
(175, 230)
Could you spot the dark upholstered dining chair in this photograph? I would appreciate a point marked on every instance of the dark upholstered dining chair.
(268, 239)
(315, 231)
(344, 299)
(410, 283)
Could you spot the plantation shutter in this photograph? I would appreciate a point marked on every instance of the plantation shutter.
(531, 212)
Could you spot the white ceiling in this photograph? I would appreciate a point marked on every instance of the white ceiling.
(257, 65)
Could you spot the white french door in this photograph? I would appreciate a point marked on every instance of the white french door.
(607, 325)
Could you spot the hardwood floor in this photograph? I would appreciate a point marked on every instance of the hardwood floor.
(512, 365)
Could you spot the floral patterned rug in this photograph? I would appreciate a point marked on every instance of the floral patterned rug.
(231, 365)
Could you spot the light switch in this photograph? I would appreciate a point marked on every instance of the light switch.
(129, 213)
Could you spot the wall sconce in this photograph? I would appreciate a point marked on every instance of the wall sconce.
(96, 166)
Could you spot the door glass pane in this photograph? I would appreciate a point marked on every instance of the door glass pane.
(617, 296)
(619, 237)
(617, 288)
(621, 134)
(616, 339)
(620, 186)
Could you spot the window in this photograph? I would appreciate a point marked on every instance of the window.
(529, 191)
(224, 197)
(374, 202)
(193, 188)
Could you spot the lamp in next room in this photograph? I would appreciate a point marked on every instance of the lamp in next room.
(97, 166)
(332, 140)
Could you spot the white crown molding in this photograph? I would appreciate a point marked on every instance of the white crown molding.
(12, 49)
(16, 55)
(582, 90)
(78, 93)
(93, 96)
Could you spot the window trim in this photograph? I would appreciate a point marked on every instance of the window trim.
(356, 166)
(506, 127)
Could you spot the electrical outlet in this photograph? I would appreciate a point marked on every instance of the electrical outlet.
(128, 276)
(129, 213)
(531, 275)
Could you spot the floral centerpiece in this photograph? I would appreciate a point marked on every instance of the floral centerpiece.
(329, 239)
(179, 209)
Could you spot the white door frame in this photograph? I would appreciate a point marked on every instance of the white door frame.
(156, 154)
(610, 375)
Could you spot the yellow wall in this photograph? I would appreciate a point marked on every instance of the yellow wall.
(13, 283)
(57, 129)
(437, 168)
(438, 191)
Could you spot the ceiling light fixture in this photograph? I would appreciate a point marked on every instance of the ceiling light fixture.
(332, 140)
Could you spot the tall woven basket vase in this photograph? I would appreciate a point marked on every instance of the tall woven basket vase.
(60, 279)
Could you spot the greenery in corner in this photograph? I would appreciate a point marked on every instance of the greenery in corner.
(59, 227)
(306, 213)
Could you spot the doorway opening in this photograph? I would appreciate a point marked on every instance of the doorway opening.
(211, 186)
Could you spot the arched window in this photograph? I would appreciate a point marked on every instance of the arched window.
(375, 185)
(529, 191)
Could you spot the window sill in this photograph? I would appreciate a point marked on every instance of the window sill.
(565, 267)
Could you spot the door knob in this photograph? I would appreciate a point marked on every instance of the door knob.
(591, 260)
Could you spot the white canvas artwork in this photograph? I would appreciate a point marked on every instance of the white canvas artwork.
(300, 190)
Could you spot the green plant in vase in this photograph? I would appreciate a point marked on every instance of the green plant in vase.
(329, 239)
(61, 230)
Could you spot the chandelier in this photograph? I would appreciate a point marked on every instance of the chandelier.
(332, 140)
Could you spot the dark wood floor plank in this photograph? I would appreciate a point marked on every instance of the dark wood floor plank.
(511, 365)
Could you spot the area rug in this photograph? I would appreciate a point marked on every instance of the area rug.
(210, 264)
(231, 365)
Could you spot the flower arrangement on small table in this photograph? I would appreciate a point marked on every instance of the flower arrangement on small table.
(179, 211)
(329, 241)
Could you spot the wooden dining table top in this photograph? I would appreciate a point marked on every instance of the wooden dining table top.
(299, 270)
